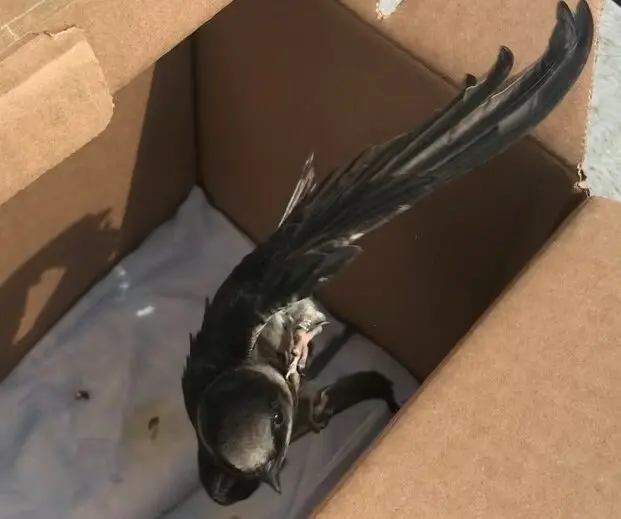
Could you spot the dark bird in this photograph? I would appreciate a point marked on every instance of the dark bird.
(314, 410)
(241, 383)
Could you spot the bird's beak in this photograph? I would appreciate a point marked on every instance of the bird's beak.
(272, 478)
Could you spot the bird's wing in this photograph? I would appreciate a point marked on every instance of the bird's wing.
(321, 222)
(304, 186)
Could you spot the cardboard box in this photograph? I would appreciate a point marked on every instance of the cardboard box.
(99, 146)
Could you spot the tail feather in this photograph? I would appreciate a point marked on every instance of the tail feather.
(335, 185)
(470, 98)
(304, 186)
(481, 122)
(315, 239)
(547, 89)
(532, 96)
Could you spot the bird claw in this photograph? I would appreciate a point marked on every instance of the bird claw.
(301, 343)
(319, 413)
(293, 368)
(295, 363)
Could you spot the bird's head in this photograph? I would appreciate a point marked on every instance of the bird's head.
(244, 422)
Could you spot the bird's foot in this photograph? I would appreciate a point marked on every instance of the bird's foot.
(300, 350)
(320, 413)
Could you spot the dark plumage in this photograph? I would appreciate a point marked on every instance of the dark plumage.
(241, 384)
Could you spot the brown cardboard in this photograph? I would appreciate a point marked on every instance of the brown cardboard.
(461, 37)
(53, 90)
(70, 226)
(11, 9)
(66, 80)
(524, 420)
(520, 421)
(127, 36)
(431, 272)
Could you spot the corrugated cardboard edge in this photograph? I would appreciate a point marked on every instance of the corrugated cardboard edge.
(582, 183)
(54, 99)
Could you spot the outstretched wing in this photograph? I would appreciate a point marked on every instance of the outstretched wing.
(321, 222)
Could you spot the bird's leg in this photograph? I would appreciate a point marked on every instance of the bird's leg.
(301, 342)
(309, 403)
(320, 412)
(316, 408)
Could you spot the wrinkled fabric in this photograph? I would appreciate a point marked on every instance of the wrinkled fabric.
(128, 451)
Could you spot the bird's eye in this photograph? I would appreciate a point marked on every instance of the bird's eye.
(277, 418)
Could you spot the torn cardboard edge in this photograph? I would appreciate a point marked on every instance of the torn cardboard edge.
(582, 182)
(385, 8)
(52, 90)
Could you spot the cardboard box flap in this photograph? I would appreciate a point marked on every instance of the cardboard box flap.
(463, 37)
(127, 36)
(56, 88)
(524, 420)
(70, 227)
(53, 100)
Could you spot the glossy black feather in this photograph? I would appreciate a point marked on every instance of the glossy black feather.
(315, 239)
